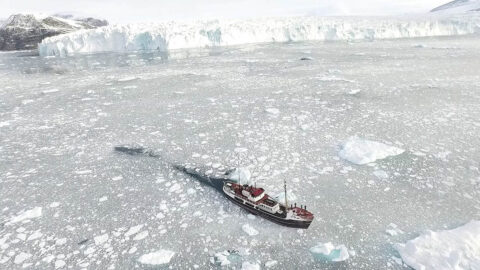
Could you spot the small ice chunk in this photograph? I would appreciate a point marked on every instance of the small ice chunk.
(127, 79)
(250, 266)
(448, 249)
(140, 236)
(21, 257)
(48, 91)
(59, 264)
(247, 228)
(221, 258)
(273, 111)
(354, 92)
(176, 187)
(392, 230)
(102, 199)
(133, 230)
(29, 214)
(271, 263)
(82, 172)
(361, 151)
(89, 251)
(116, 178)
(100, 239)
(132, 250)
(239, 150)
(35, 235)
(381, 174)
(61, 241)
(161, 256)
(329, 252)
(54, 204)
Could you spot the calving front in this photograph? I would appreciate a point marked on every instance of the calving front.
(179, 35)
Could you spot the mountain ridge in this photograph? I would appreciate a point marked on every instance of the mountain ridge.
(25, 31)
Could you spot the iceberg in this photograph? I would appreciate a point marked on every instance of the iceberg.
(225, 257)
(449, 249)
(167, 36)
(240, 175)
(360, 151)
(329, 252)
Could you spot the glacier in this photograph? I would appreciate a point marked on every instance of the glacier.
(167, 36)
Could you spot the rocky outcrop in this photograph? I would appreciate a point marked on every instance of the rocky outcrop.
(25, 31)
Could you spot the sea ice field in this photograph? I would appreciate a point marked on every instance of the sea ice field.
(380, 139)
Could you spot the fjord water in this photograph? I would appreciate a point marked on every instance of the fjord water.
(61, 117)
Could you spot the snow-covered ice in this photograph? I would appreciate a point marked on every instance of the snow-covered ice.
(329, 252)
(162, 256)
(458, 248)
(361, 151)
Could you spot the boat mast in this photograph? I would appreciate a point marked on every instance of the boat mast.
(285, 187)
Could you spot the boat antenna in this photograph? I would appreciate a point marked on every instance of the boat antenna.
(285, 187)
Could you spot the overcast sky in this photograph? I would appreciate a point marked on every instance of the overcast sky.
(118, 11)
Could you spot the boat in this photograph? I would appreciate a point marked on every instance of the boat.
(256, 201)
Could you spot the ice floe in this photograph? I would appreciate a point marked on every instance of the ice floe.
(361, 151)
(21, 257)
(248, 229)
(329, 252)
(26, 215)
(133, 230)
(274, 111)
(100, 239)
(448, 249)
(225, 257)
(161, 256)
(250, 266)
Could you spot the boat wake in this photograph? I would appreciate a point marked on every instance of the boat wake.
(194, 172)
(197, 174)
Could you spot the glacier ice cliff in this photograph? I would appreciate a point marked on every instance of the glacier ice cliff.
(180, 35)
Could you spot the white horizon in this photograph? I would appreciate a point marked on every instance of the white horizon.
(150, 10)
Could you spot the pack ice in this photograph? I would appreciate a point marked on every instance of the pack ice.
(450, 249)
(177, 35)
(361, 151)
